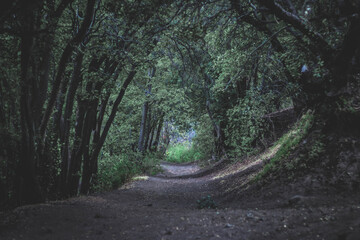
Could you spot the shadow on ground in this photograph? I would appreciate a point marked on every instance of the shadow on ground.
(165, 207)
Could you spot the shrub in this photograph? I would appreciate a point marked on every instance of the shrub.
(151, 163)
(203, 141)
(181, 153)
(246, 126)
(206, 202)
(115, 170)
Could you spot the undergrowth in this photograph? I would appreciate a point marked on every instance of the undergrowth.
(115, 170)
(206, 202)
(288, 143)
(182, 153)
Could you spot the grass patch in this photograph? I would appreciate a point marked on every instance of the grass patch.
(182, 153)
(288, 142)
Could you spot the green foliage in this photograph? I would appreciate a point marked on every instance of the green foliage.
(206, 202)
(181, 153)
(151, 163)
(204, 142)
(288, 143)
(115, 170)
(316, 149)
(246, 125)
(212, 72)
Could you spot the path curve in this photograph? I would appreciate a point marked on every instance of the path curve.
(165, 208)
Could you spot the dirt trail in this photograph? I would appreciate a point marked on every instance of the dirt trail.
(166, 208)
(179, 169)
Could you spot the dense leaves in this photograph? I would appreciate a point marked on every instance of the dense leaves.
(93, 92)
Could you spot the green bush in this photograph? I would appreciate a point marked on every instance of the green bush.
(204, 141)
(151, 163)
(206, 202)
(181, 153)
(115, 170)
(246, 126)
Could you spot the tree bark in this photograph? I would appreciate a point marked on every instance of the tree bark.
(219, 134)
(144, 114)
(65, 149)
(78, 38)
(74, 165)
(157, 138)
(28, 187)
(95, 153)
(148, 130)
(152, 133)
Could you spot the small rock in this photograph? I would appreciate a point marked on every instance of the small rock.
(228, 225)
(249, 215)
(296, 199)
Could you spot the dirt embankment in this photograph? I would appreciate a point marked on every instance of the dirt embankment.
(166, 207)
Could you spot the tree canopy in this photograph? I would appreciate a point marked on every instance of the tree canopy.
(92, 91)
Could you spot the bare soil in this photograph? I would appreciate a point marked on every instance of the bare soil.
(165, 207)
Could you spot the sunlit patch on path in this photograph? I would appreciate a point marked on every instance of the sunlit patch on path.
(179, 170)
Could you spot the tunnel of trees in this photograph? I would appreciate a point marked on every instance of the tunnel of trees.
(90, 89)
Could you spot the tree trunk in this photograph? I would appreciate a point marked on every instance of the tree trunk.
(78, 38)
(152, 133)
(143, 136)
(148, 130)
(74, 165)
(144, 114)
(99, 145)
(65, 148)
(219, 134)
(89, 126)
(157, 138)
(28, 187)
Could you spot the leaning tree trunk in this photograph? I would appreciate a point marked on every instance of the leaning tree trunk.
(326, 94)
(91, 162)
(65, 57)
(65, 148)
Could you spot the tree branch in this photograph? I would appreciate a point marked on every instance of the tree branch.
(322, 46)
(62, 65)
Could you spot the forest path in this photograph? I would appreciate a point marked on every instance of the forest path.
(164, 207)
(171, 169)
